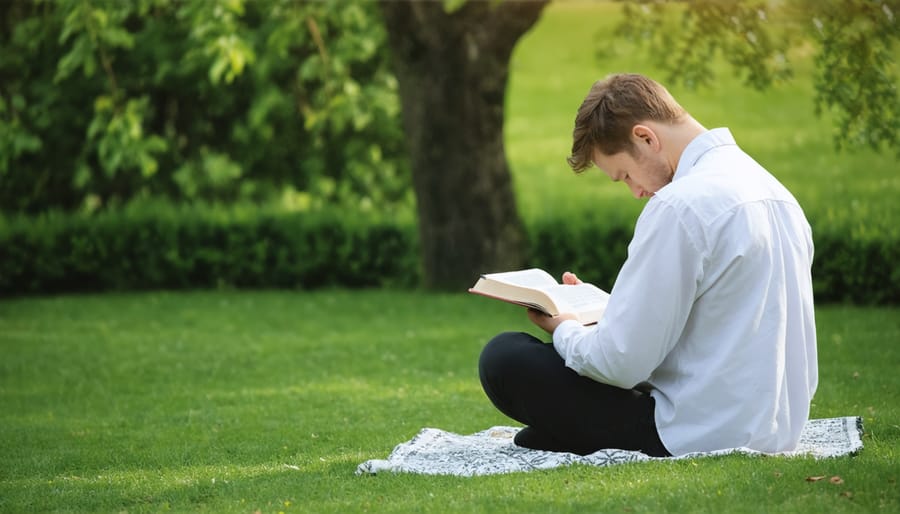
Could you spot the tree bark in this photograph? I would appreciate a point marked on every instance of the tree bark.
(452, 71)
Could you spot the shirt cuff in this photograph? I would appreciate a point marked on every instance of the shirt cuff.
(564, 336)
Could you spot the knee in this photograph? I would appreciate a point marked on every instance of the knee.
(500, 352)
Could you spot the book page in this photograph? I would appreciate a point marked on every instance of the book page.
(534, 278)
(577, 298)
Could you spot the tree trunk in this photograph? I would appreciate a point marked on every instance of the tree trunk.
(452, 70)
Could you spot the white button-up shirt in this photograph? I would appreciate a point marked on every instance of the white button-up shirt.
(713, 307)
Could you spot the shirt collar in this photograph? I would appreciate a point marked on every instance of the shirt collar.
(702, 144)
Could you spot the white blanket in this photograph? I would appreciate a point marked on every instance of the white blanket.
(492, 451)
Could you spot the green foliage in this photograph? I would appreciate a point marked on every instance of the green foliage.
(182, 248)
(118, 136)
(856, 267)
(857, 75)
(856, 72)
(267, 401)
(178, 248)
(739, 31)
(102, 102)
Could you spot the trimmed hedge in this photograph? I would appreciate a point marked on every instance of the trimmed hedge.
(856, 268)
(204, 248)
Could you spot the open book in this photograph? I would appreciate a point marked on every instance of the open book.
(535, 288)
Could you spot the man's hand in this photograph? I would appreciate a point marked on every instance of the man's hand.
(547, 322)
(570, 279)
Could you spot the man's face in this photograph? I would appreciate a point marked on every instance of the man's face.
(644, 175)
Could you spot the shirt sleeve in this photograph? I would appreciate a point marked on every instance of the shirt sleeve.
(648, 306)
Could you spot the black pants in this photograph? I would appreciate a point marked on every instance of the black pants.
(528, 381)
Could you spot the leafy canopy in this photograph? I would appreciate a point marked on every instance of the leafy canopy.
(103, 101)
(855, 61)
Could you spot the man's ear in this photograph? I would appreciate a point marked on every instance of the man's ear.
(643, 135)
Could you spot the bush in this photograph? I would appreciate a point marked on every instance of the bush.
(178, 248)
(855, 267)
(105, 102)
(202, 248)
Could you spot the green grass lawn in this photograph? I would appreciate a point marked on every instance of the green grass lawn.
(246, 401)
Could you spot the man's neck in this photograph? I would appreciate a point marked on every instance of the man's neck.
(676, 137)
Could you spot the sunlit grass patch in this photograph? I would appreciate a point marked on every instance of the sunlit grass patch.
(245, 401)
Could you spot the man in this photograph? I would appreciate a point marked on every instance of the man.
(708, 341)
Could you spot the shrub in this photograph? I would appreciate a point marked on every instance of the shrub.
(177, 248)
(855, 267)
(174, 249)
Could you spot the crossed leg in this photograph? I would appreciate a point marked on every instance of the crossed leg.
(528, 381)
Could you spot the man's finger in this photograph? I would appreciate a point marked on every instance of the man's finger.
(570, 278)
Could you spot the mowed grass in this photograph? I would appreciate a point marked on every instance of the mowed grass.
(555, 64)
(246, 401)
